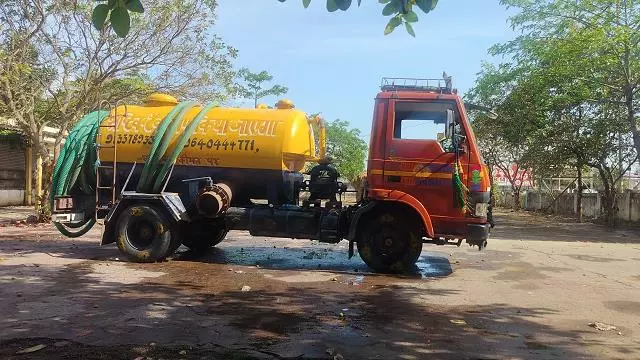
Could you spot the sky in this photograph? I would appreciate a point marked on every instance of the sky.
(333, 62)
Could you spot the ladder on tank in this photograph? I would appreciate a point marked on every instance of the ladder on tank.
(111, 187)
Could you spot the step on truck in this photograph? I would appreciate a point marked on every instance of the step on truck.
(168, 173)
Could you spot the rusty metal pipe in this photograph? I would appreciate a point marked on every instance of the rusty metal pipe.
(214, 200)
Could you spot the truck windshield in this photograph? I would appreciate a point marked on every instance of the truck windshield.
(421, 120)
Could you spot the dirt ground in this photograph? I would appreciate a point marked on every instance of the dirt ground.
(530, 295)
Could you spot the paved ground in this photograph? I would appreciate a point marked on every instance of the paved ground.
(530, 295)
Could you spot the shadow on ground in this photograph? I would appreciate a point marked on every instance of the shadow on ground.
(205, 314)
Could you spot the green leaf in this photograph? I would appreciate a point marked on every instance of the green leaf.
(393, 23)
(120, 21)
(343, 4)
(427, 5)
(135, 6)
(389, 9)
(383, 1)
(332, 5)
(410, 29)
(99, 16)
(411, 16)
(306, 3)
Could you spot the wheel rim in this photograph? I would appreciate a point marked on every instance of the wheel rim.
(141, 234)
(389, 244)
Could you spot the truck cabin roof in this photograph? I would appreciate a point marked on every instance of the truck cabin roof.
(417, 89)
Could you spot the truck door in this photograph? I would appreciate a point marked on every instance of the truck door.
(419, 158)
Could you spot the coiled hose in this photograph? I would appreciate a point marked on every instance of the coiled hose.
(75, 170)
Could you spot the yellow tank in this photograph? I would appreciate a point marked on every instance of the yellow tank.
(270, 139)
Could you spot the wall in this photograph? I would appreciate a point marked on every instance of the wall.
(628, 204)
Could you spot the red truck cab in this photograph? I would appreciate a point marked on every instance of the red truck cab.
(420, 136)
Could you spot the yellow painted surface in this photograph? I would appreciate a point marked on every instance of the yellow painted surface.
(226, 137)
(28, 179)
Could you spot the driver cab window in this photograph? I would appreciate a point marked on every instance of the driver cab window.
(422, 120)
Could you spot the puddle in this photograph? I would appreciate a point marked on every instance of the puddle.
(433, 265)
(322, 257)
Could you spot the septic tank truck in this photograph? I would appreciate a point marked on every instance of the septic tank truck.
(169, 173)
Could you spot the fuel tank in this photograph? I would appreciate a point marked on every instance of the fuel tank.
(258, 153)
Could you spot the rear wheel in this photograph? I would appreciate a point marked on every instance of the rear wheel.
(389, 243)
(146, 234)
(201, 235)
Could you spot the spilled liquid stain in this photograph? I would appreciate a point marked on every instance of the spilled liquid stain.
(433, 265)
(322, 257)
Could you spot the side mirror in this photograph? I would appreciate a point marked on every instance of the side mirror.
(449, 127)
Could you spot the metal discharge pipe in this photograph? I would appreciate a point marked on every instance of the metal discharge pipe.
(214, 200)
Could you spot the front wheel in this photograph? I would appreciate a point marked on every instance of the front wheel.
(390, 244)
(145, 234)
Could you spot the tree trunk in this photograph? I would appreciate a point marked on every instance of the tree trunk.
(579, 211)
(609, 208)
(631, 117)
(516, 199)
(38, 188)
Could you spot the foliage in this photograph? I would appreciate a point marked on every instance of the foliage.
(253, 87)
(54, 69)
(567, 96)
(347, 149)
(117, 13)
(602, 38)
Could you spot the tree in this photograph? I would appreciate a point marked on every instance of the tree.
(118, 12)
(559, 97)
(55, 68)
(346, 148)
(609, 32)
(253, 87)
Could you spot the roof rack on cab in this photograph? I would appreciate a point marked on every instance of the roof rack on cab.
(442, 86)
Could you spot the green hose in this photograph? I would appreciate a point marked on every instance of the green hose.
(161, 139)
(76, 161)
(186, 134)
(75, 170)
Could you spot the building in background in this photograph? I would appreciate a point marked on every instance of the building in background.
(19, 165)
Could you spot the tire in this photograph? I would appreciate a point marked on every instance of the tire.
(201, 235)
(388, 243)
(146, 234)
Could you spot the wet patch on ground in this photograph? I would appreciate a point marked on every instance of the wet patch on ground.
(309, 258)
